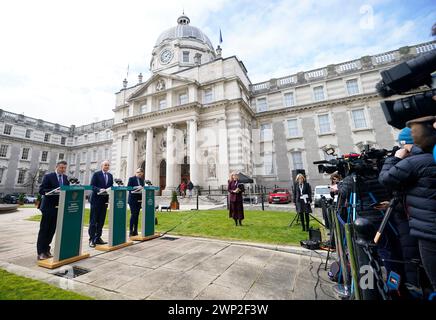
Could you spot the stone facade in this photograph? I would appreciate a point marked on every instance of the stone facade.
(199, 116)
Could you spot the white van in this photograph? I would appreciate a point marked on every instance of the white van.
(321, 191)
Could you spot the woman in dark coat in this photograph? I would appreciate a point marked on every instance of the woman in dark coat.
(302, 199)
(236, 208)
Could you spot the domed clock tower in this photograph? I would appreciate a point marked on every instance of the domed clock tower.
(181, 47)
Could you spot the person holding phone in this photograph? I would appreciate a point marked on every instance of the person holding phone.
(236, 207)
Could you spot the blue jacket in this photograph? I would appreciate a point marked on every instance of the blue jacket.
(416, 175)
(50, 182)
(98, 182)
(134, 198)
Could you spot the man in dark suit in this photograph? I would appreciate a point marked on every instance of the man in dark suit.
(135, 201)
(49, 208)
(100, 181)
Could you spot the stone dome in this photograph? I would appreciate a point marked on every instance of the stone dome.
(183, 30)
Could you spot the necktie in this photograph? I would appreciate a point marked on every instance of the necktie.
(60, 180)
(105, 178)
(139, 182)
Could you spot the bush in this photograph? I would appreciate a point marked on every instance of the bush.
(21, 198)
(174, 197)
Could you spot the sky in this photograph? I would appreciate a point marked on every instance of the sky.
(63, 61)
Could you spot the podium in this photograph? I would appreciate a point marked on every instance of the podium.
(148, 215)
(117, 219)
(68, 240)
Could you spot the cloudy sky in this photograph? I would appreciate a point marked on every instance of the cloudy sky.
(62, 61)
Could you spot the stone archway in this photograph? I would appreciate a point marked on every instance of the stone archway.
(185, 170)
(162, 175)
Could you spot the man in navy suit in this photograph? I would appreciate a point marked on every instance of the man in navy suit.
(49, 208)
(100, 181)
(135, 201)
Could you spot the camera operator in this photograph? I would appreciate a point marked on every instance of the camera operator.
(335, 179)
(414, 170)
(407, 249)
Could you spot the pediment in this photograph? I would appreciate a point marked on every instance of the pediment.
(159, 83)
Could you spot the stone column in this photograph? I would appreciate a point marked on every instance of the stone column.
(149, 155)
(130, 155)
(193, 162)
(171, 161)
(223, 157)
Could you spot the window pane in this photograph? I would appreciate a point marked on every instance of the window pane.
(185, 56)
(25, 154)
(207, 95)
(28, 133)
(268, 167)
(324, 123)
(183, 98)
(3, 150)
(261, 105)
(44, 156)
(359, 118)
(7, 129)
(318, 93)
(63, 140)
(1, 174)
(265, 132)
(47, 137)
(289, 99)
(352, 87)
(297, 160)
(21, 176)
(293, 128)
(162, 104)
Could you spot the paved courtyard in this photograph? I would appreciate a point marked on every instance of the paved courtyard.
(173, 267)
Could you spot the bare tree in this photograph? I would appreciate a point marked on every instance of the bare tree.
(32, 180)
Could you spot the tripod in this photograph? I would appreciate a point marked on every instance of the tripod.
(297, 218)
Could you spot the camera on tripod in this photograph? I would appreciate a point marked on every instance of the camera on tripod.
(369, 161)
(402, 78)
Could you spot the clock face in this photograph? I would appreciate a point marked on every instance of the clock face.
(166, 56)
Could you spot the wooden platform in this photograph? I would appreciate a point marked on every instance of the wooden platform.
(141, 238)
(109, 248)
(50, 264)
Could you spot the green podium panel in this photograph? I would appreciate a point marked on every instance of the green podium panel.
(117, 219)
(148, 214)
(68, 241)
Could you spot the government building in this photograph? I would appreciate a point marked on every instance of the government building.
(199, 117)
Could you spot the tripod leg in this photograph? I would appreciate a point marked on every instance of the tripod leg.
(293, 220)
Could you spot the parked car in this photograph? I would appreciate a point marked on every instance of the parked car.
(251, 199)
(321, 191)
(281, 195)
(29, 199)
(10, 199)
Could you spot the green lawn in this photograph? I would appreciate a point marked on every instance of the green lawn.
(258, 226)
(13, 287)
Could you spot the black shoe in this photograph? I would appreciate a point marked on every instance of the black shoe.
(49, 254)
(92, 244)
(42, 256)
(100, 241)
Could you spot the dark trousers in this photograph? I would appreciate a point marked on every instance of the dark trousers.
(427, 250)
(134, 216)
(304, 223)
(47, 229)
(96, 221)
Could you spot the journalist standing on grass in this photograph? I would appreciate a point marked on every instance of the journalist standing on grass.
(100, 181)
(236, 208)
(135, 201)
(49, 208)
(302, 199)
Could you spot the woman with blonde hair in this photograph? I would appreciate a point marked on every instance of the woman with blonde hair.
(236, 208)
(302, 198)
